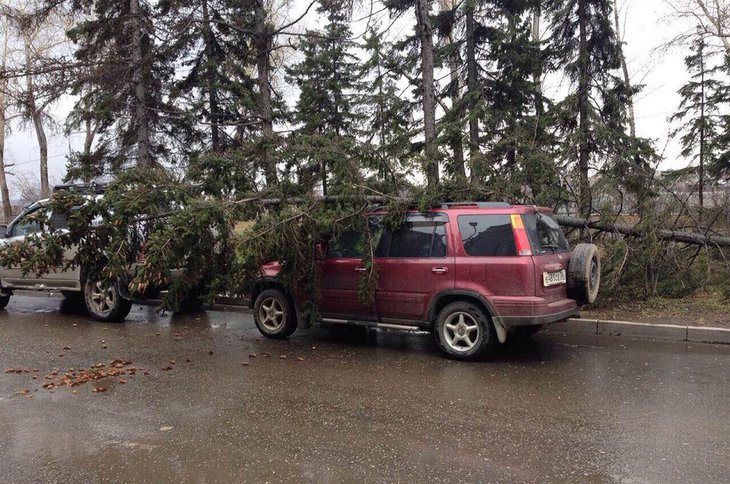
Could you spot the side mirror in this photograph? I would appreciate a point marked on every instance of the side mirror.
(3, 231)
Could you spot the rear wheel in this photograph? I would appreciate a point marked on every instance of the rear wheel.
(104, 302)
(464, 331)
(274, 314)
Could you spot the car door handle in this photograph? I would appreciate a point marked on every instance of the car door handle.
(360, 269)
(439, 270)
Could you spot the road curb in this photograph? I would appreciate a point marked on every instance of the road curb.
(667, 332)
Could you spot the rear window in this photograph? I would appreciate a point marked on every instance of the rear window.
(487, 235)
(545, 234)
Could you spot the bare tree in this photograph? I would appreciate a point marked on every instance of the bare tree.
(40, 38)
(27, 187)
(7, 209)
(711, 16)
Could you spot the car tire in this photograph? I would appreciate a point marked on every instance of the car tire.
(4, 300)
(584, 274)
(464, 331)
(274, 314)
(104, 302)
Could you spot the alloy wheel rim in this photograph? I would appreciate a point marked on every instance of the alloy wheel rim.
(461, 331)
(101, 297)
(271, 314)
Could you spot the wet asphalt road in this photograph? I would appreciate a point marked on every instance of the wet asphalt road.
(351, 407)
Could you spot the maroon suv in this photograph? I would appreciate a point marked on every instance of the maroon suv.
(471, 273)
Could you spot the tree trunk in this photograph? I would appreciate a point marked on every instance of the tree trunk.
(141, 119)
(537, 76)
(701, 173)
(4, 192)
(624, 69)
(431, 166)
(263, 42)
(456, 144)
(456, 110)
(471, 89)
(210, 74)
(584, 150)
(36, 116)
(667, 235)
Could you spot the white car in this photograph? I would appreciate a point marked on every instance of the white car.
(104, 300)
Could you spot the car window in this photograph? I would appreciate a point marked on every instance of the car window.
(58, 221)
(350, 244)
(545, 234)
(414, 239)
(29, 224)
(487, 235)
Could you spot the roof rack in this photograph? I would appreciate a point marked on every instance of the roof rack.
(476, 204)
(92, 188)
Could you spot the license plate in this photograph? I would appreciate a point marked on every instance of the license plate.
(553, 278)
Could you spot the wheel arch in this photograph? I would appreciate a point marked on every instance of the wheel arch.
(440, 301)
(266, 283)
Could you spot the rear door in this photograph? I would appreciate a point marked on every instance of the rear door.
(551, 254)
(414, 263)
(488, 262)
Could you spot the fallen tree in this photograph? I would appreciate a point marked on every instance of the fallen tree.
(633, 231)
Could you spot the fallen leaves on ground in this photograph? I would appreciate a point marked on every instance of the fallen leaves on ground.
(116, 369)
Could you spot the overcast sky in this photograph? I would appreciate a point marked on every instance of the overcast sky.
(648, 25)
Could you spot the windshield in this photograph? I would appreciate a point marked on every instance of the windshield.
(545, 234)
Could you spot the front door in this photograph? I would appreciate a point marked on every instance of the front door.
(341, 273)
(23, 228)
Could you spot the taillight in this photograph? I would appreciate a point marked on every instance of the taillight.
(522, 243)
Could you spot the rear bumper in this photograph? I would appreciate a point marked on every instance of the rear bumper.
(534, 311)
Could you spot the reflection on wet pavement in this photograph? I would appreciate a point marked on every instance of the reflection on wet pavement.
(220, 403)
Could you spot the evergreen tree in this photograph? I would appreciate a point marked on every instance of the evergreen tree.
(592, 118)
(449, 56)
(389, 116)
(420, 46)
(517, 142)
(211, 43)
(701, 132)
(124, 85)
(328, 78)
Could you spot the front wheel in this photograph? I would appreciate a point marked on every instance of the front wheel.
(464, 331)
(104, 302)
(274, 314)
